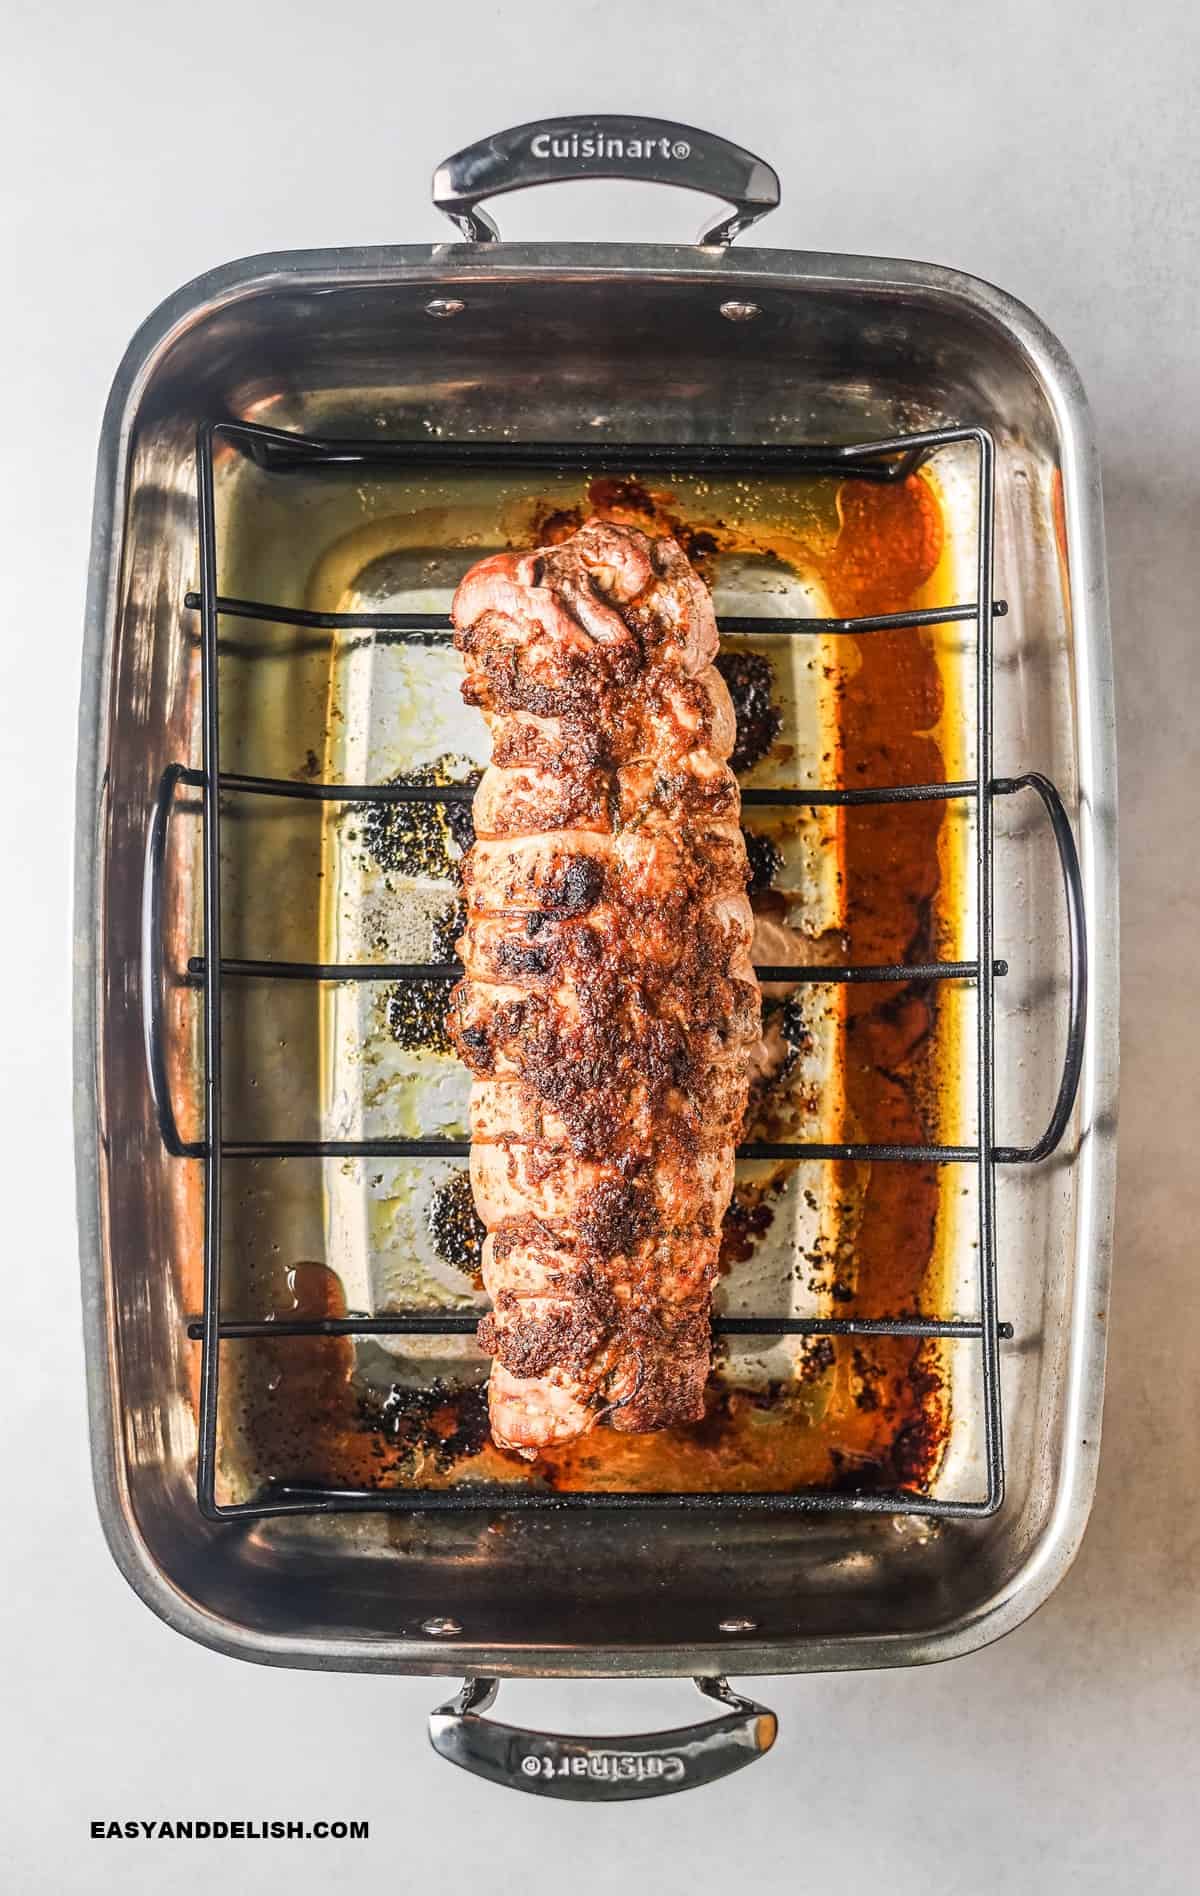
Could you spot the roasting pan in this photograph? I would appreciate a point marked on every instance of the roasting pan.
(300, 454)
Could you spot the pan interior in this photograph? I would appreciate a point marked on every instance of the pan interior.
(350, 882)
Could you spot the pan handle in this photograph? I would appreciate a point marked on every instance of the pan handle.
(1068, 856)
(153, 972)
(558, 150)
(601, 1770)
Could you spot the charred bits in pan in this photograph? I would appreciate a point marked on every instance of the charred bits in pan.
(447, 926)
(766, 860)
(454, 1224)
(416, 1015)
(441, 1422)
(750, 677)
(421, 839)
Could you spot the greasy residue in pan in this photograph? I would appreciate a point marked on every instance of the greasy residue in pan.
(882, 1417)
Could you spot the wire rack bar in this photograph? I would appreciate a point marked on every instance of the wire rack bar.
(753, 797)
(985, 1010)
(506, 1497)
(890, 461)
(206, 1454)
(438, 627)
(452, 1323)
(809, 975)
(854, 1152)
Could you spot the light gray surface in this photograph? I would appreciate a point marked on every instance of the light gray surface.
(1052, 150)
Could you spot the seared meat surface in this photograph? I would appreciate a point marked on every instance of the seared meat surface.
(609, 1009)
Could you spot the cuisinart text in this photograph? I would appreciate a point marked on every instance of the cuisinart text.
(606, 145)
(607, 1764)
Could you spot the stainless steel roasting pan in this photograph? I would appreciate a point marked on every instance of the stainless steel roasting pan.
(703, 349)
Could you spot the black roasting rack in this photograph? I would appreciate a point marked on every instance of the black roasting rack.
(881, 461)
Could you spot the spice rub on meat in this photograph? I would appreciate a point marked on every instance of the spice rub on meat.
(609, 1008)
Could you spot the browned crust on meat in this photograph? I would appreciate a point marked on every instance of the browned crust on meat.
(609, 1006)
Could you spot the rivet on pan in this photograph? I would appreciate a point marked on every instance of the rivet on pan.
(735, 312)
(441, 1628)
(445, 306)
(737, 1626)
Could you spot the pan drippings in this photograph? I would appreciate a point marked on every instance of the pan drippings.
(822, 1411)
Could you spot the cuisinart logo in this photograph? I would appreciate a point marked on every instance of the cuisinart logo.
(606, 145)
(619, 1765)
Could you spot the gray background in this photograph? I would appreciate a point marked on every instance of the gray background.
(1052, 148)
